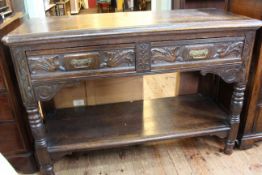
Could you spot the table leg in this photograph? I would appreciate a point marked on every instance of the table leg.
(235, 110)
(38, 131)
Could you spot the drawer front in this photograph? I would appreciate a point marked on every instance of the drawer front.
(140, 57)
(168, 53)
(10, 141)
(96, 61)
(5, 109)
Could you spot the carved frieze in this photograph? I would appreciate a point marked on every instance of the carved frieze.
(143, 57)
(23, 77)
(117, 58)
(85, 60)
(228, 74)
(235, 74)
(47, 92)
(180, 53)
(229, 50)
(45, 63)
(166, 54)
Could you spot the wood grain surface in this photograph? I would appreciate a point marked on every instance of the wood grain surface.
(124, 23)
(115, 90)
(195, 156)
(129, 123)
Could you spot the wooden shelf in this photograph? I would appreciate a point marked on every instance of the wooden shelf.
(128, 123)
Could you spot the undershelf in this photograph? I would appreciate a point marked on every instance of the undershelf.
(128, 123)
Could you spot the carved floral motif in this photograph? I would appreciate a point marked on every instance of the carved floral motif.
(167, 54)
(101, 59)
(47, 92)
(228, 74)
(174, 54)
(45, 63)
(143, 57)
(23, 77)
(233, 49)
(118, 57)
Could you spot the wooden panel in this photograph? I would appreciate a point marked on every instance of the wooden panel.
(5, 109)
(114, 90)
(250, 125)
(10, 140)
(65, 98)
(259, 102)
(258, 122)
(188, 83)
(191, 4)
(120, 90)
(224, 94)
(23, 162)
(2, 84)
(160, 86)
(251, 8)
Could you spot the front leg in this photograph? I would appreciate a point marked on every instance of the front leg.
(38, 131)
(31, 104)
(234, 120)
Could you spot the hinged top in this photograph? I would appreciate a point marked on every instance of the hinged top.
(128, 22)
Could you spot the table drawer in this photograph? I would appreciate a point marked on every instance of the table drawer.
(177, 52)
(93, 59)
(124, 58)
(10, 141)
(5, 110)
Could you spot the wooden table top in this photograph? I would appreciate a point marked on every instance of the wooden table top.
(127, 22)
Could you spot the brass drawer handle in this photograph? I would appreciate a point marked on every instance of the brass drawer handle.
(199, 54)
(81, 63)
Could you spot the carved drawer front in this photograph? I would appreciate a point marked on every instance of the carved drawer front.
(5, 110)
(168, 53)
(94, 61)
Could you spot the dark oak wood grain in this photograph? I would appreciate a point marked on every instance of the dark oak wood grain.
(251, 127)
(52, 53)
(127, 123)
(80, 27)
(192, 4)
(15, 138)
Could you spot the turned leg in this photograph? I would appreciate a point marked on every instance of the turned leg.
(38, 131)
(235, 110)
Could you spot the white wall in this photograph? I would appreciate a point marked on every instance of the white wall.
(158, 5)
(35, 8)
